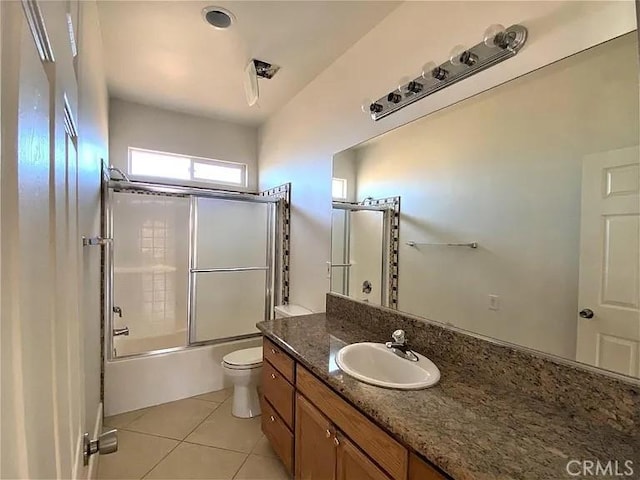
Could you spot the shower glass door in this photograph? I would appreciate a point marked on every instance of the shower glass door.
(150, 272)
(232, 270)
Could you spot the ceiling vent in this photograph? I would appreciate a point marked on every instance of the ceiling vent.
(218, 17)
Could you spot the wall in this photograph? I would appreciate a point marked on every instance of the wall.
(297, 144)
(142, 126)
(505, 169)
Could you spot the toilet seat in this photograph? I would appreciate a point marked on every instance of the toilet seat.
(245, 359)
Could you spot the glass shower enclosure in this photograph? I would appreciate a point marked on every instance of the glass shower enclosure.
(186, 267)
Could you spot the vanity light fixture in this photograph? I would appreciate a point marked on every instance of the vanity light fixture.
(498, 44)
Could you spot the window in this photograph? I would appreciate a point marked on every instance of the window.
(339, 188)
(147, 163)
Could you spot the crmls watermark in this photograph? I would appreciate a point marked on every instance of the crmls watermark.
(597, 468)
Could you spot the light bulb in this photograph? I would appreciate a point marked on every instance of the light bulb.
(402, 82)
(365, 106)
(432, 71)
(456, 53)
(460, 55)
(427, 68)
(490, 34)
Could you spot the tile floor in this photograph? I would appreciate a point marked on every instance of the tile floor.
(194, 438)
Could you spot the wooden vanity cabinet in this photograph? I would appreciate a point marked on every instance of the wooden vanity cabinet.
(315, 450)
(320, 436)
(278, 375)
(322, 452)
(421, 470)
(353, 463)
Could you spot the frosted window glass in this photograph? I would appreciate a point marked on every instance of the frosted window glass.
(218, 173)
(155, 164)
(151, 258)
(228, 304)
(339, 188)
(366, 242)
(231, 233)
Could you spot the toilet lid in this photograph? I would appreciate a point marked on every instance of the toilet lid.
(247, 356)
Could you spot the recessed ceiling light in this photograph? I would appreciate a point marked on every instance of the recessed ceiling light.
(218, 17)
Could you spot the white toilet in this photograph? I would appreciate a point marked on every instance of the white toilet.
(244, 367)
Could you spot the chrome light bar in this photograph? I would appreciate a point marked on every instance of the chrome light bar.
(495, 49)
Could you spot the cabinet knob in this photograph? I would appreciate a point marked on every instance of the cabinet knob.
(336, 442)
(274, 351)
(272, 418)
(328, 433)
(273, 375)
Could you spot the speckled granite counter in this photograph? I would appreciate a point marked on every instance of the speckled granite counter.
(467, 426)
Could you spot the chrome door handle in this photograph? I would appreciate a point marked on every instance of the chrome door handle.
(121, 331)
(586, 313)
(105, 444)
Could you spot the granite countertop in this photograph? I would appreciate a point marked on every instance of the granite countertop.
(471, 429)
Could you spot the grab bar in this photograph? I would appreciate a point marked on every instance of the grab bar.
(229, 269)
(470, 244)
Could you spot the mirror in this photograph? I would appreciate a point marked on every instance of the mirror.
(541, 175)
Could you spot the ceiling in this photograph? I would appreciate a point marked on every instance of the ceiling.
(162, 53)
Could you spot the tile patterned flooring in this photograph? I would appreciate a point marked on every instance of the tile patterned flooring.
(194, 438)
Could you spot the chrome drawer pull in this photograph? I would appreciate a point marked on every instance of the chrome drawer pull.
(273, 375)
(328, 433)
(272, 418)
(336, 441)
(274, 351)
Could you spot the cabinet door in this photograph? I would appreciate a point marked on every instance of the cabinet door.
(315, 447)
(352, 463)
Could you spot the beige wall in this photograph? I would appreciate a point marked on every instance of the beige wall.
(297, 144)
(142, 126)
(505, 169)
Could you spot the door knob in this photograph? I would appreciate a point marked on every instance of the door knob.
(586, 313)
(105, 444)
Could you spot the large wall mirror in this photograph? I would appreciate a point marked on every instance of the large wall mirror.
(520, 213)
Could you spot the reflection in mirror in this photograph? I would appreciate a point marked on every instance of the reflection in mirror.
(542, 173)
(358, 254)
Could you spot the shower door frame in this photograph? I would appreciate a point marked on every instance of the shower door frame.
(191, 193)
(390, 209)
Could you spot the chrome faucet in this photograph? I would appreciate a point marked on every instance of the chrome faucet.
(400, 347)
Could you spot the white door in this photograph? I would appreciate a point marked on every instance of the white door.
(610, 262)
(43, 393)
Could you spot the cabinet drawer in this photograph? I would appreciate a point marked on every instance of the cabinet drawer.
(375, 442)
(421, 470)
(278, 391)
(278, 434)
(283, 362)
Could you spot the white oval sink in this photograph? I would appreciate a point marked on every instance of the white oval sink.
(376, 364)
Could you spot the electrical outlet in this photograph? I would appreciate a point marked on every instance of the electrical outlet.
(494, 302)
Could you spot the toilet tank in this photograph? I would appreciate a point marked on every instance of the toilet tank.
(291, 310)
